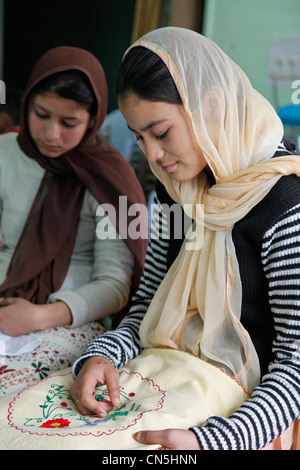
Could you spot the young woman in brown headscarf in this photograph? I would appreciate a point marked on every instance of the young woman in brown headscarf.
(55, 175)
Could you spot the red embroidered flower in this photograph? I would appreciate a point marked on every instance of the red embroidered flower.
(56, 423)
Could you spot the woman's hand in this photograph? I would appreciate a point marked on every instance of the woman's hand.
(96, 370)
(169, 439)
(20, 317)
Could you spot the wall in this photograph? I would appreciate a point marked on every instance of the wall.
(185, 14)
(244, 29)
(102, 26)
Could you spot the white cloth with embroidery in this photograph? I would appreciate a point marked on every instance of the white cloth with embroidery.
(54, 349)
(161, 388)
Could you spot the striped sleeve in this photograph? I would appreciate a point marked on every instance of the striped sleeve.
(123, 344)
(275, 403)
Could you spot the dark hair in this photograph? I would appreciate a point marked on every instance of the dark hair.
(144, 73)
(70, 84)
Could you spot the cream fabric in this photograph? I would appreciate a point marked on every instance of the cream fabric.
(160, 389)
(198, 305)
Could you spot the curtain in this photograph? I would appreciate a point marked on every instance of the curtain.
(149, 15)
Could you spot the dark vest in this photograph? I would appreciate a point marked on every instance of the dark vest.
(247, 234)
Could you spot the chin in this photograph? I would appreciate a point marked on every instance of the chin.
(179, 178)
(50, 154)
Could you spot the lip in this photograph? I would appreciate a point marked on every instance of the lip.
(50, 148)
(168, 168)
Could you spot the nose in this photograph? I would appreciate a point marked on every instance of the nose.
(52, 130)
(153, 151)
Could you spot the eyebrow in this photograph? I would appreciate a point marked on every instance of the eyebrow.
(149, 126)
(73, 118)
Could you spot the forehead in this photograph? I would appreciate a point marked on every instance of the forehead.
(55, 104)
(145, 113)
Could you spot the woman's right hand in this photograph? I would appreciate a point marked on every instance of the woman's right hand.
(96, 370)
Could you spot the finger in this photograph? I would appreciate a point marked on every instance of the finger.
(94, 409)
(152, 437)
(84, 399)
(87, 402)
(82, 409)
(90, 406)
(172, 439)
(112, 383)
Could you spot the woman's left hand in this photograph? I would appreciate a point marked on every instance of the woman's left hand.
(169, 439)
(20, 317)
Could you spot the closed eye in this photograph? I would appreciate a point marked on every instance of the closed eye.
(46, 116)
(65, 124)
(162, 136)
(41, 116)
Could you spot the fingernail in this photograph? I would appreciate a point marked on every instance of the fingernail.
(137, 436)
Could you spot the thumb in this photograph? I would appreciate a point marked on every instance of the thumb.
(151, 437)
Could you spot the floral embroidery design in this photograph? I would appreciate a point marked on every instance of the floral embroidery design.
(52, 423)
(42, 371)
(57, 413)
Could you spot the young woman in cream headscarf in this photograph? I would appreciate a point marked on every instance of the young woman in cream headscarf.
(214, 144)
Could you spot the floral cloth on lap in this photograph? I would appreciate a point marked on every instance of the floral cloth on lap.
(59, 349)
(161, 388)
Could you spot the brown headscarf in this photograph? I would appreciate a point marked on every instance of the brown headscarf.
(42, 256)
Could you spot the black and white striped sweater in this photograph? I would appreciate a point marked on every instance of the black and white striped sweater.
(267, 243)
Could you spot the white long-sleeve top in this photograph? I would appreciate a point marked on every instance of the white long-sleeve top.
(99, 277)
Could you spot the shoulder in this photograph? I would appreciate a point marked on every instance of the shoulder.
(268, 213)
(10, 151)
(284, 195)
(8, 141)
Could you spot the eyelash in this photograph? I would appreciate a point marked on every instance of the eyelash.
(163, 136)
(158, 137)
(45, 116)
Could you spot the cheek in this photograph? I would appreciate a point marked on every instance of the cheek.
(73, 137)
(34, 125)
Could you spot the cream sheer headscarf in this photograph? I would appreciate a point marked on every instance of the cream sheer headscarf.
(197, 307)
